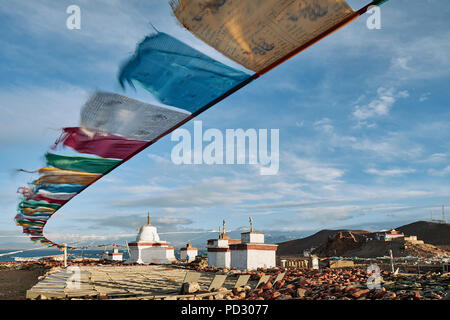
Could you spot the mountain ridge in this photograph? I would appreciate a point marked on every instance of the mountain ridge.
(437, 234)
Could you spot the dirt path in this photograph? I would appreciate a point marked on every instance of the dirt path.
(15, 283)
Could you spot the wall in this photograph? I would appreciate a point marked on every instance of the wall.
(219, 259)
(158, 255)
(252, 237)
(192, 253)
(252, 259)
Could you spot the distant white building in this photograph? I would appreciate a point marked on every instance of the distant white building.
(390, 235)
(148, 248)
(115, 255)
(189, 253)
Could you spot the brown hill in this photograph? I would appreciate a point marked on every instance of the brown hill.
(353, 243)
(348, 245)
(434, 233)
(296, 247)
(341, 244)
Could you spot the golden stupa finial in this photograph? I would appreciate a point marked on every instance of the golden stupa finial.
(251, 223)
(148, 218)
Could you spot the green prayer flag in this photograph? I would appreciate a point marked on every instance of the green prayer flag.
(81, 163)
(35, 204)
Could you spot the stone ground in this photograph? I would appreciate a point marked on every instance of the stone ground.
(149, 282)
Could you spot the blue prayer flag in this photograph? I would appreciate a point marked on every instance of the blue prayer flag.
(177, 74)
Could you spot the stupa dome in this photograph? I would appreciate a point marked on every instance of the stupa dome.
(147, 234)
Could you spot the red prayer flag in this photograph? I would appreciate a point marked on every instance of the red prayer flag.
(101, 144)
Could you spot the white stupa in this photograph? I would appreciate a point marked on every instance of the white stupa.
(252, 252)
(148, 248)
(219, 249)
(188, 253)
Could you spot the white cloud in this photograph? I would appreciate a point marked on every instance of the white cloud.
(31, 114)
(324, 125)
(287, 204)
(424, 97)
(390, 172)
(421, 58)
(206, 192)
(391, 146)
(401, 63)
(78, 239)
(314, 171)
(435, 158)
(380, 106)
(144, 189)
(327, 214)
(160, 159)
(443, 172)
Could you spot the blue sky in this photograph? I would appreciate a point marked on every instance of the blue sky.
(363, 118)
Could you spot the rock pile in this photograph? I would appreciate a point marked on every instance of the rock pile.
(335, 284)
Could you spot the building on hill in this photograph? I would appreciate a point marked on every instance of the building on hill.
(390, 235)
(413, 239)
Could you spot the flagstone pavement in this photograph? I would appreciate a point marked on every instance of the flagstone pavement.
(135, 282)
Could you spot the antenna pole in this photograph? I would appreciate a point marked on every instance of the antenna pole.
(128, 249)
(65, 255)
